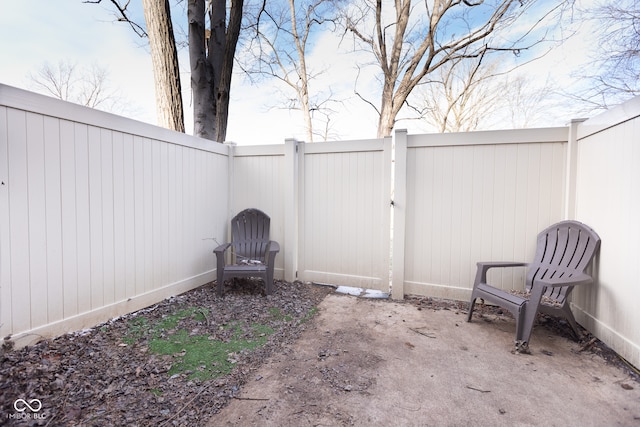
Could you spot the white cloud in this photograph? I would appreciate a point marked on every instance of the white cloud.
(34, 32)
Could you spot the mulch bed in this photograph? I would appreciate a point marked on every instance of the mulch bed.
(99, 377)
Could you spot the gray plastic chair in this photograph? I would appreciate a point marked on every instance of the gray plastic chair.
(252, 253)
(564, 250)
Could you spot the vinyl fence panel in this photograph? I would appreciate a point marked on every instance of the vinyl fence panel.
(100, 215)
(608, 199)
(473, 197)
(344, 213)
(259, 182)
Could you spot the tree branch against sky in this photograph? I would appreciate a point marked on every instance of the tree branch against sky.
(410, 40)
(213, 36)
(461, 97)
(280, 36)
(164, 57)
(616, 55)
(87, 85)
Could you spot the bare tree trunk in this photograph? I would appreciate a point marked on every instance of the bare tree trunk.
(303, 91)
(232, 34)
(166, 71)
(387, 118)
(202, 87)
(212, 65)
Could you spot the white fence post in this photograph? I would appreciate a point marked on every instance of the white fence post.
(399, 213)
(572, 164)
(290, 247)
(230, 195)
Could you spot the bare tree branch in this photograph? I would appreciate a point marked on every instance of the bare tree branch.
(279, 50)
(614, 75)
(417, 41)
(123, 16)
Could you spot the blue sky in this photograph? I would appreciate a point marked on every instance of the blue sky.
(33, 32)
(36, 31)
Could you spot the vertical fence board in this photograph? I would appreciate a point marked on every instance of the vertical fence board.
(6, 299)
(108, 231)
(53, 209)
(19, 213)
(69, 218)
(119, 217)
(37, 238)
(83, 221)
(149, 240)
(139, 212)
(96, 212)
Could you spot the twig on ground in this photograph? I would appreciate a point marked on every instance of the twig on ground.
(478, 389)
(423, 333)
(588, 344)
(250, 398)
(185, 406)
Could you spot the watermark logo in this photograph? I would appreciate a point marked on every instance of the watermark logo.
(21, 405)
(27, 409)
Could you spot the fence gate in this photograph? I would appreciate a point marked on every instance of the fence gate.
(344, 213)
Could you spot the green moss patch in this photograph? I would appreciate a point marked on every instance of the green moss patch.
(199, 356)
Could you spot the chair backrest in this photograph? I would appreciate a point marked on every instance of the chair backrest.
(250, 235)
(563, 250)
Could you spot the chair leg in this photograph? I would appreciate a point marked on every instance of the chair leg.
(269, 283)
(220, 284)
(572, 321)
(471, 306)
(523, 332)
(527, 317)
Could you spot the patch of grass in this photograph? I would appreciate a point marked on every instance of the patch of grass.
(205, 358)
(309, 315)
(262, 330)
(198, 355)
(137, 328)
(277, 315)
(171, 322)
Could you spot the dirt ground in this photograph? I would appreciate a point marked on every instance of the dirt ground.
(370, 362)
(307, 355)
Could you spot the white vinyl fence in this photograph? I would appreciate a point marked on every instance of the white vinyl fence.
(101, 215)
(607, 197)
(344, 213)
(467, 197)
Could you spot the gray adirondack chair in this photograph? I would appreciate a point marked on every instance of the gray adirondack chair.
(564, 250)
(252, 253)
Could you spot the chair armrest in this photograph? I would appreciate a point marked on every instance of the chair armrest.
(220, 249)
(483, 267)
(272, 249)
(273, 246)
(575, 280)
